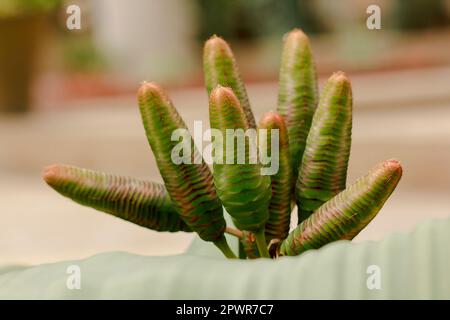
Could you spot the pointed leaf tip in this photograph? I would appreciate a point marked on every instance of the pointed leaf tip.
(225, 110)
(216, 42)
(273, 120)
(339, 76)
(297, 34)
(389, 169)
(150, 89)
(221, 94)
(394, 164)
(50, 174)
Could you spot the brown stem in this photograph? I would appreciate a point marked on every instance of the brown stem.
(234, 232)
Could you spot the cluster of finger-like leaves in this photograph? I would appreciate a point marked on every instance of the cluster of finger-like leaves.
(314, 138)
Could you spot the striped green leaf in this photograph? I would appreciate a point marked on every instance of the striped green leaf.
(323, 171)
(141, 202)
(345, 215)
(244, 192)
(279, 207)
(297, 96)
(190, 185)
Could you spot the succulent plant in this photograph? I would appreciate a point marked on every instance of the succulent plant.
(313, 147)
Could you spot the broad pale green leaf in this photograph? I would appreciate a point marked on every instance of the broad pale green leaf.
(412, 266)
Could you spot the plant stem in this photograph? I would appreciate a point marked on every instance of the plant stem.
(242, 254)
(261, 243)
(223, 246)
(234, 232)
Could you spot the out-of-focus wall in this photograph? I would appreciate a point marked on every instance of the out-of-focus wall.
(146, 38)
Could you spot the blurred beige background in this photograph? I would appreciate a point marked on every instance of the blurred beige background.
(84, 113)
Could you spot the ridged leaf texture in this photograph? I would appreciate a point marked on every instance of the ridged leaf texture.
(244, 192)
(190, 186)
(297, 96)
(345, 215)
(220, 68)
(323, 171)
(144, 203)
(280, 202)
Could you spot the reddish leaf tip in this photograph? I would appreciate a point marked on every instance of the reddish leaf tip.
(215, 40)
(296, 37)
(393, 165)
(221, 95)
(271, 119)
(149, 88)
(388, 169)
(296, 33)
(51, 174)
(339, 76)
(216, 46)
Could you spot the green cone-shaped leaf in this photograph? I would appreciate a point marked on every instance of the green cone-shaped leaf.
(345, 215)
(220, 68)
(190, 186)
(142, 202)
(297, 96)
(279, 207)
(244, 192)
(323, 170)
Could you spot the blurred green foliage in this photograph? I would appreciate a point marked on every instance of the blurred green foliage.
(246, 20)
(11, 8)
(81, 54)
(420, 14)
